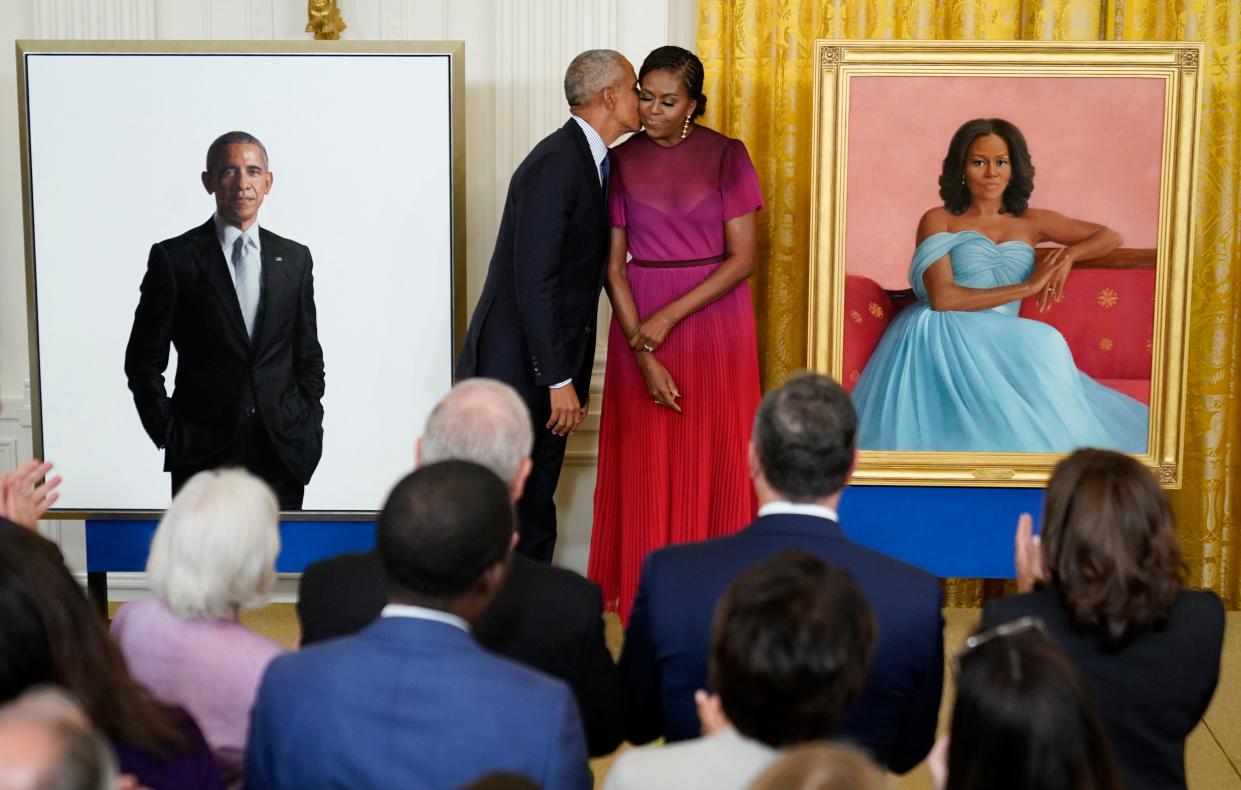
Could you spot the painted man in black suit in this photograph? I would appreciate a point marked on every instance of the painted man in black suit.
(534, 326)
(802, 452)
(237, 301)
(548, 618)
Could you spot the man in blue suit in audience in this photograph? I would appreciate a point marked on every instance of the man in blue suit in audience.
(802, 452)
(412, 701)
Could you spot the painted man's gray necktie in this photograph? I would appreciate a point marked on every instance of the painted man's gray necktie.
(246, 274)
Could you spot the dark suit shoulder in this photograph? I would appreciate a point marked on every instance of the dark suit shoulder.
(346, 564)
(267, 237)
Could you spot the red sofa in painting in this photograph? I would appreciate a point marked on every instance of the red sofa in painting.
(1107, 317)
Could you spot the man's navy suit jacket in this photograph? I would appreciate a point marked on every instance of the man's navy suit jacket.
(534, 325)
(414, 704)
(668, 639)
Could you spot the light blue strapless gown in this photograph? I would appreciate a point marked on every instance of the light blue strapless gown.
(988, 380)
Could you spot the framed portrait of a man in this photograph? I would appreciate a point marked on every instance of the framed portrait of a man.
(240, 254)
(1001, 250)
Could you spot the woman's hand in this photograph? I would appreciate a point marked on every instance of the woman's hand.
(651, 333)
(26, 493)
(659, 382)
(1060, 262)
(1028, 555)
(1046, 282)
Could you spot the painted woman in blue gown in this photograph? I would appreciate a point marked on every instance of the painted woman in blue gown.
(959, 370)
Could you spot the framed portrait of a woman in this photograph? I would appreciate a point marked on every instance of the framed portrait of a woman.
(1001, 251)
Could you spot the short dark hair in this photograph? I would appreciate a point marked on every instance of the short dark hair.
(1110, 544)
(1023, 719)
(232, 138)
(442, 526)
(790, 649)
(805, 433)
(685, 65)
(952, 188)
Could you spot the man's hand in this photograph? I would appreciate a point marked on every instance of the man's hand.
(567, 413)
(23, 498)
(711, 713)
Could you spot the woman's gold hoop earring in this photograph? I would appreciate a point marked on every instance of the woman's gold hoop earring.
(685, 128)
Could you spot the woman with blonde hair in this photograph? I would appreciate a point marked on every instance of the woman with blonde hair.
(213, 555)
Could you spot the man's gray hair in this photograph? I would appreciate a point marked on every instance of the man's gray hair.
(591, 72)
(480, 420)
(232, 138)
(85, 760)
(214, 551)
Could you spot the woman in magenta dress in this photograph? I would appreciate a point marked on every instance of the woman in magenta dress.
(681, 384)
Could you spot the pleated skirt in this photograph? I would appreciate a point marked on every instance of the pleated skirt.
(664, 477)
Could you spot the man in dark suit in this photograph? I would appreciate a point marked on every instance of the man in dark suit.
(237, 301)
(413, 700)
(802, 453)
(547, 618)
(534, 326)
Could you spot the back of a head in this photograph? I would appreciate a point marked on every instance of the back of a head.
(1024, 719)
(442, 527)
(1110, 543)
(805, 433)
(822, 766)
(214, 552)
(790, 649)
(47, 743)
(589, 73)
(483, 421)
(52, 635)
(46, 618)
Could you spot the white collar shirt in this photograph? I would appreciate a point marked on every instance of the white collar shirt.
(598, 148)
(227, 233)
(423, 613)
(798, 509)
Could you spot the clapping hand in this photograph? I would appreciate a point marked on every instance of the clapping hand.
(26, 494)
(711, 713)
(1028, 555)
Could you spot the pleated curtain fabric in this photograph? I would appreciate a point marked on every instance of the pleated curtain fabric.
(758, 57)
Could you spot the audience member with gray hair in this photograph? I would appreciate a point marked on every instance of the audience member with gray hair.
(534, 325)
(802, 452)
(548, 618)
(48, 743)
(213, 555)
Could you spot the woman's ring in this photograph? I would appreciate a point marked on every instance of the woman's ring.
(648, 347)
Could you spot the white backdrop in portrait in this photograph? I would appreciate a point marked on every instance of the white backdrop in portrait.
(360, 150)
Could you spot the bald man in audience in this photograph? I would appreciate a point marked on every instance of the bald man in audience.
(548, 618)
(412, 700)
(46, 741)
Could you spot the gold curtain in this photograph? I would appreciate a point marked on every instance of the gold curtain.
(758, 55)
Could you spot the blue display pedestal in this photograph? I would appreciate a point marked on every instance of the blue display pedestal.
(959, 532)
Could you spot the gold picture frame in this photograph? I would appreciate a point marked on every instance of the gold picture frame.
(1168, 73)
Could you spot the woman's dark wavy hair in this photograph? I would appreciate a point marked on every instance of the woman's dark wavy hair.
(684, 64)
(50, 634)
(1110, 544)
(952, 188)
(1023, 720)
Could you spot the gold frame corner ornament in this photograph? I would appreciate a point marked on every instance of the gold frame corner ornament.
(1177, 63)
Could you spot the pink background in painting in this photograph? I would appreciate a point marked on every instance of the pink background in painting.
(1096, 144)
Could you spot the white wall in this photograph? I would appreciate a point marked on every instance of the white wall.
(515, 55)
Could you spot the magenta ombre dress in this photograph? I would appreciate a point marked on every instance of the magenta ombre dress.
(665, 477)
